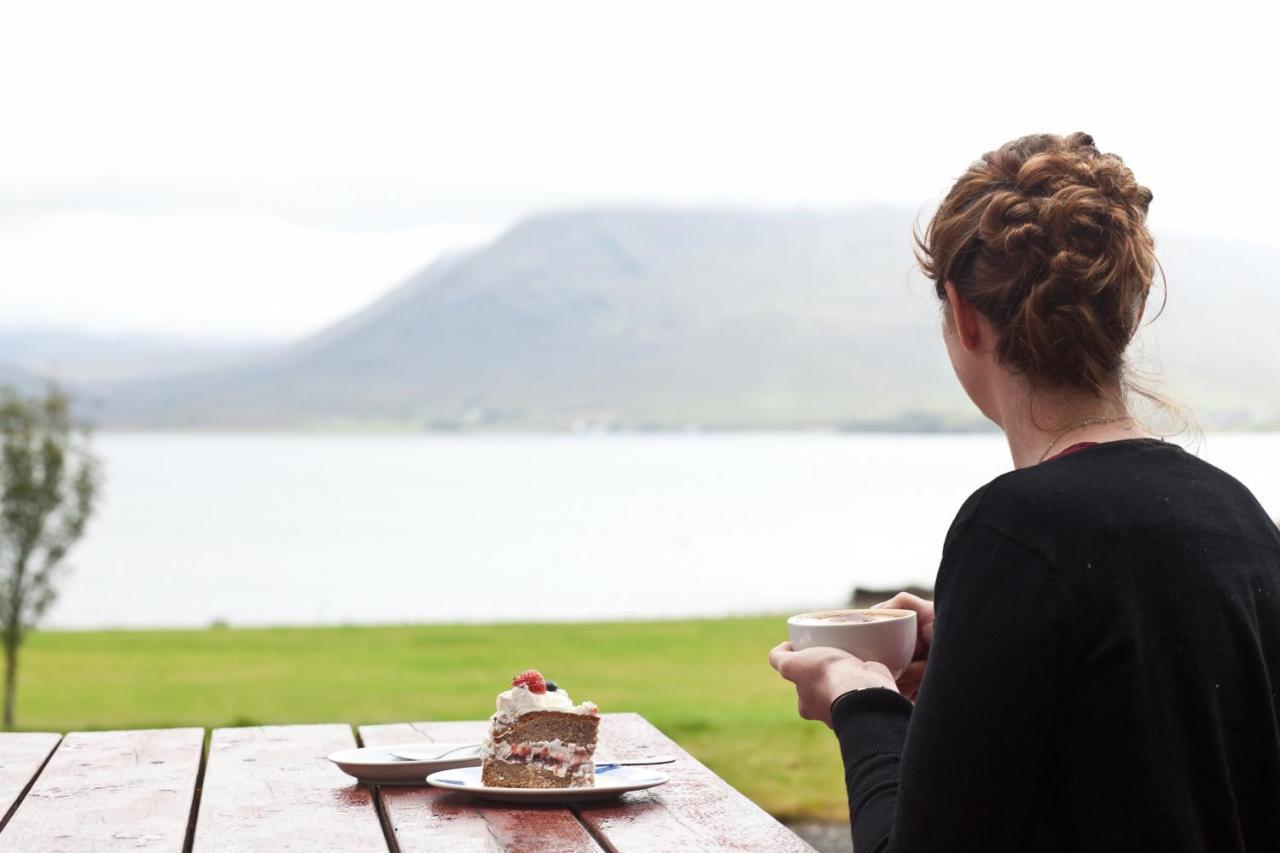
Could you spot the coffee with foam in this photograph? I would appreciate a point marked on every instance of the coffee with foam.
(848, 617)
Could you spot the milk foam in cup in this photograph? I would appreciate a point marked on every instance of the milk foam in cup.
(884, 635)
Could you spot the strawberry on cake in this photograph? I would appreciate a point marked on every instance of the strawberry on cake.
(539, 739)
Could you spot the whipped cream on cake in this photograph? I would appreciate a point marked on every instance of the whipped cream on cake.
(521, 700)
(538, 738)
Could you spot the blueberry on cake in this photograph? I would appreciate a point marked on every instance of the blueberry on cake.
(539, 739)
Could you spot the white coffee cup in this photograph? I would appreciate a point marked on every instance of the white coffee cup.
(889, 638)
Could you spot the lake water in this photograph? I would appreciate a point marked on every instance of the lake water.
(305, 529)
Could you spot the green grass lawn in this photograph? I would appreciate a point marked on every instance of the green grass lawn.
(705, 683)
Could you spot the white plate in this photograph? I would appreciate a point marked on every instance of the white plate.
(610, 783)
(378, 767)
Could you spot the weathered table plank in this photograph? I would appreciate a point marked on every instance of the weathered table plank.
(271, 788)
(21, 757)
(696, 810)
(431, 819)
(106, 791)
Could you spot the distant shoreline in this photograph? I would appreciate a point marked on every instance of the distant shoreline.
(1261, 427)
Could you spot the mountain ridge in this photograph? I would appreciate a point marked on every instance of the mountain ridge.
(671, 318)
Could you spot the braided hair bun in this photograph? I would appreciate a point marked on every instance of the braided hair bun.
(1047, 238)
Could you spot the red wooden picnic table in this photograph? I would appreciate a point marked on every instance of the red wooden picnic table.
(271, 788)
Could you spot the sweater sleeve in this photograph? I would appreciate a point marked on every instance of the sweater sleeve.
(959, 771)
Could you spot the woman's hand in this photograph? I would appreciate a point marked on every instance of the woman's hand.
(822, 675)
(909, 680)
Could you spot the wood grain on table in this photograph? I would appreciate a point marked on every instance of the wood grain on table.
(696, 810)
(271, 788)
(22, 755)
(107, 791)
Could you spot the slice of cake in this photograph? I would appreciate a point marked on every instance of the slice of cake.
(539, 739)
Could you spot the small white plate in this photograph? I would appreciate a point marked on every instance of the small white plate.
(609, 783)
(377, 766)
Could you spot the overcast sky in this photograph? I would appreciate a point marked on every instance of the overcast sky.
(256, 170)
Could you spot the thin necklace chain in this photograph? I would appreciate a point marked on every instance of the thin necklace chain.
(1080, 425)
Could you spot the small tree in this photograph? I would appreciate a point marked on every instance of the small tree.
(48, 482)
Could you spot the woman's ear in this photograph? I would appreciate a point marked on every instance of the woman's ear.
(964, 319)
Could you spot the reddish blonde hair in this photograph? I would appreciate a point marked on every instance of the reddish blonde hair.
(1047, 238)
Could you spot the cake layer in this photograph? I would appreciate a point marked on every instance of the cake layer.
(497, 773)
(565, 727)
(554, 754)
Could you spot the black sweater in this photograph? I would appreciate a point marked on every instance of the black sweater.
(1104, 675)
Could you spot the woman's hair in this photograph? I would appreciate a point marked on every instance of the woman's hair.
(1047, 238)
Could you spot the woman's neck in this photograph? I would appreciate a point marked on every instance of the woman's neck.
(1041, 423)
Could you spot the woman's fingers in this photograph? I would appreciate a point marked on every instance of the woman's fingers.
(906, 601)
(805, 664)
(924, 619)
(909, 680)
(778, 654)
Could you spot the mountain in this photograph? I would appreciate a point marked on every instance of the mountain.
(671, 318)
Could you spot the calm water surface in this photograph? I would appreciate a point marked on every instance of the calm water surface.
(303, 529)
